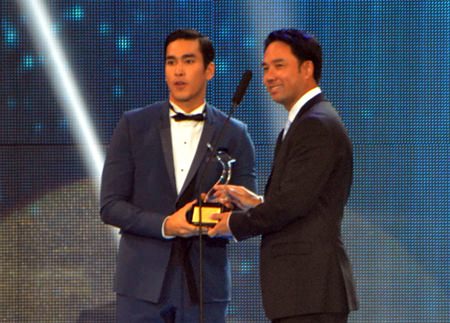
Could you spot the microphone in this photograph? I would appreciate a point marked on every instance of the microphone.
(241, 88)
(236, 100)
(212, 148)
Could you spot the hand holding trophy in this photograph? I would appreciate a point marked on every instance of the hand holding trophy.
(201, 213)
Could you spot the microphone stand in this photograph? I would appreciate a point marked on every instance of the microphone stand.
(237, 98)
(212, 153)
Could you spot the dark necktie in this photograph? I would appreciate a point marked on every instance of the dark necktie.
(182, 117)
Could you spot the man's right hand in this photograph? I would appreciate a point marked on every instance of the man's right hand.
(177, 225)
(240, 196)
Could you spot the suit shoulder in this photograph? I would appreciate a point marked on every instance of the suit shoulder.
(221, 117)
(322, 116)
(141, 119)
(323, 111)
(238, 123)
(144, 117)
(150, 110)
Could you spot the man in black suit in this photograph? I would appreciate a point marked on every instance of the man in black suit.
(305, 273)
(151, 177)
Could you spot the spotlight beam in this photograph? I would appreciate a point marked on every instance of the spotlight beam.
(66, 87)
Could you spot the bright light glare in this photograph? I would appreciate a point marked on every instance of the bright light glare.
(66, 87)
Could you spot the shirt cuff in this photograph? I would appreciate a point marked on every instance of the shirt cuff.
(162, 230)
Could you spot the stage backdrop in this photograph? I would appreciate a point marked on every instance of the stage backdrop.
(386, 68)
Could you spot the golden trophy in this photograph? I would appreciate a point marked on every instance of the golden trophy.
(201, 212)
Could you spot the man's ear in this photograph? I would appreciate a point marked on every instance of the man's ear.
(210, 71)
(308, 69)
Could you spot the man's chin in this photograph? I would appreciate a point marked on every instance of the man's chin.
(180, 100)
(181, 96)
(278, 100)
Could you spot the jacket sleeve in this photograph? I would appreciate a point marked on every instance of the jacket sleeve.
(243, 170)
(296, 183)
(116, 207)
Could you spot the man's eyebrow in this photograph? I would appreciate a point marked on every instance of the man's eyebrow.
(278, 60)
(182, 57)
(188, 56)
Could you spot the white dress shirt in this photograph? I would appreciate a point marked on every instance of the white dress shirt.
(297, 107)
(185, 138)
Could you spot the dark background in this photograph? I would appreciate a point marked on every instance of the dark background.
(386, 69)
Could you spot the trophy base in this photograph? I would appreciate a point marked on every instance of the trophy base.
(207, 209)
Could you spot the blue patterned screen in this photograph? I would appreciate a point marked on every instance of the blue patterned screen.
(386, 69)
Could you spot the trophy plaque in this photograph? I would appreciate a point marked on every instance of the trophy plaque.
(208, 207)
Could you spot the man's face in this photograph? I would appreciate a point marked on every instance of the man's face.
(186, 76)
(285, 78)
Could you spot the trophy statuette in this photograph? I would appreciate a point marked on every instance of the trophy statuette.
(207, 207)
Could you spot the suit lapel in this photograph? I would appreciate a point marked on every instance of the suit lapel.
(278, 144)
(166, 143)
(202, 150)
(318, 98)
(277, 149)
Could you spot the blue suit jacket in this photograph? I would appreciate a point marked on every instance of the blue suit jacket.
(138, 191)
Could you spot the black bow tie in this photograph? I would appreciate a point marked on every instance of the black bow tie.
(182, 117)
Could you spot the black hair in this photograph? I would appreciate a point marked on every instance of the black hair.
(303, 45)
(206, 46)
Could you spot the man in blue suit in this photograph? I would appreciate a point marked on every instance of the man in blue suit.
(152, 176)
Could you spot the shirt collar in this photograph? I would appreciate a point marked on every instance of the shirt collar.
(176, 109)
(302, 101)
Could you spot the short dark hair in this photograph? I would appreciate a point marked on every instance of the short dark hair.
(303, 45)
(206, 46)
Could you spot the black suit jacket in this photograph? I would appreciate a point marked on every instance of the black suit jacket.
(138, 191)
(304, 267)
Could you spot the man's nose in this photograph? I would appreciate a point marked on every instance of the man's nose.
(268, 77)
(179, 69)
